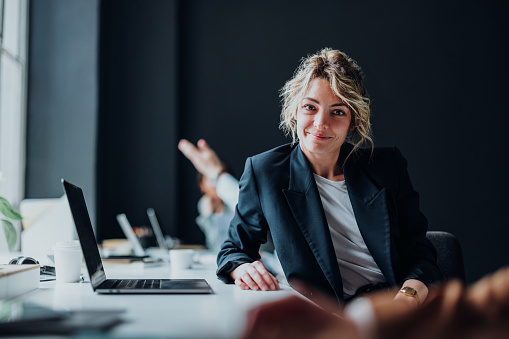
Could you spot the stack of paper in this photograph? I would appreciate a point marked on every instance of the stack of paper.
(18, 279)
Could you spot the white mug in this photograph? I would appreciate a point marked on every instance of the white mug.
(68, 258)
(181, 258)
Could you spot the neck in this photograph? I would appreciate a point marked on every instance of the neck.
(326, 166)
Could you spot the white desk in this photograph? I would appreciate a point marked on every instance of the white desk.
(220, 315)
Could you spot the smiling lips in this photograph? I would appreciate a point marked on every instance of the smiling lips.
(319, 136)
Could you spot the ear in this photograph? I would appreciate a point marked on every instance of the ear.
(353, 124)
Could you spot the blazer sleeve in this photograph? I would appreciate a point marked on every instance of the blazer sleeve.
(248, 228)
(417, 256)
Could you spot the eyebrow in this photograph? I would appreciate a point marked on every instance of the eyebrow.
(333, 105)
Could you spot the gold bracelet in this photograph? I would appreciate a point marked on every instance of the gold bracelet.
(407, 290)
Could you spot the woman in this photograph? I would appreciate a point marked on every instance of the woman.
(343, 218)
(219, 188)
(214, 215)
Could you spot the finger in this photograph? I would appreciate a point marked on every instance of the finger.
(276, 310)
(276, 282)
(196, 156)
(294, 317)
(266, 276)
(240, 283)
(183, 144)
(203, 146)
(267, 318)
(188, 149)
(249, 281)
(260, 279)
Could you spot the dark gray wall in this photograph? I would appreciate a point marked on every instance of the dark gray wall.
(436, 73)
(62, 97)
(138, 120)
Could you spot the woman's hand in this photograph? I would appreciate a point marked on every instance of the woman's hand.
(419, 287)
(295, 317)
(254, 276)
(204, 159)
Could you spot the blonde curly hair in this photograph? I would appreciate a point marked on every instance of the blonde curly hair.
(346, 81)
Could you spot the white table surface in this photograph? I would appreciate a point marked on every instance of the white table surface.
(219, 315)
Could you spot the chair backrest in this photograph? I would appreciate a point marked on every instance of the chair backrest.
(449, 254)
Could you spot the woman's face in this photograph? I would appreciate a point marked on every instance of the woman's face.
(323, 121)
(208, 189)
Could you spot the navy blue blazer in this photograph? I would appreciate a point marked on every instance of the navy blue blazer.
(278, 193)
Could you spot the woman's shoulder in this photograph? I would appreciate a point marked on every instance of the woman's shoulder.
(273, 164)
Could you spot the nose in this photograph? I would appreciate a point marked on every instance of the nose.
(320, 122)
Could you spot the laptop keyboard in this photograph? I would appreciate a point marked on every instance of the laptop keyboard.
(137, 284)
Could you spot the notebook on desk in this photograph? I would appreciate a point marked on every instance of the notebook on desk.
(94, 264)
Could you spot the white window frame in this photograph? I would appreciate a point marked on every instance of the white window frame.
(13, 97)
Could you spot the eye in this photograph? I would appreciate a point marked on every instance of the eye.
(309, 107)
(338, 112)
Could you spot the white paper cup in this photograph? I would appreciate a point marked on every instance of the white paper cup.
(68, 257)
(181, 259)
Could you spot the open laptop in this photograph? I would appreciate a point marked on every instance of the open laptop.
(131, 236)
(141, 253)
(161, 241)
(98, 279)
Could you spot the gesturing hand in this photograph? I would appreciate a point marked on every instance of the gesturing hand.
(203, 157)
(254, 276)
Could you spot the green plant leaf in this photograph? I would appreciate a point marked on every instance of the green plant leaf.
(7, 210)
(10, 234)
(6, 309)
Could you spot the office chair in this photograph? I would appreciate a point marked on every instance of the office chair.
(449, 254)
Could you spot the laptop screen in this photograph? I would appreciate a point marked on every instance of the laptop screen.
(157, 230)
(85, 233)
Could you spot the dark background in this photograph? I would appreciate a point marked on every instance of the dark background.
(113, 86)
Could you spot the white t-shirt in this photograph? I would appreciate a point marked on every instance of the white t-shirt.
(357, 266)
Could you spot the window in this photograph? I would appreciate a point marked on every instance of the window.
(13, 71)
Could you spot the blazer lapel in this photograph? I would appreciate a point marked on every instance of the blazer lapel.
(304, 201)
(369, 203)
